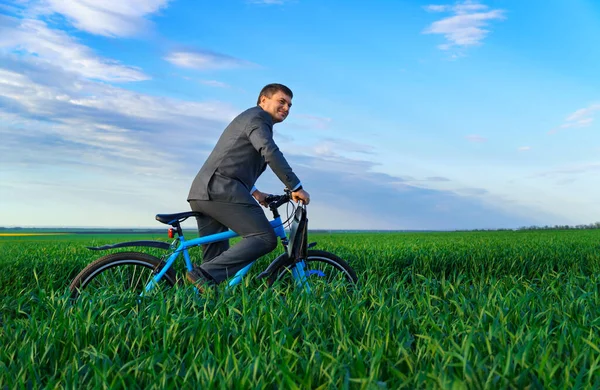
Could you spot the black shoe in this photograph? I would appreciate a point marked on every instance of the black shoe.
(199, 279)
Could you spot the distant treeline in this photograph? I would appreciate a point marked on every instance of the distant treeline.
(595, 225)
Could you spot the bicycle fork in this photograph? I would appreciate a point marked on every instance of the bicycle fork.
(300, 276)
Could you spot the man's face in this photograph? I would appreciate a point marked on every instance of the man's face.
(277, 105)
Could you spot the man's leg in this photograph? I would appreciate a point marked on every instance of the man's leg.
(206, 226)
(249, 221)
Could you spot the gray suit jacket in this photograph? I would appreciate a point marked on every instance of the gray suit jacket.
(238, 159)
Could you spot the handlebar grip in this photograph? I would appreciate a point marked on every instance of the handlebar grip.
(274, 201)
(271, 198)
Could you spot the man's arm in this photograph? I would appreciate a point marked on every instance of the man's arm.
(261, 136)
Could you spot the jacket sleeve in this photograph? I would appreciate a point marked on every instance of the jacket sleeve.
(260, 134)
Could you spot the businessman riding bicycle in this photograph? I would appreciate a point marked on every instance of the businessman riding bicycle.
(224, 191)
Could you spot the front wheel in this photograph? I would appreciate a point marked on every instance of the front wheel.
(119, 274)
(323, 270)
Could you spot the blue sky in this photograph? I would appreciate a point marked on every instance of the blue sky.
(407, 114)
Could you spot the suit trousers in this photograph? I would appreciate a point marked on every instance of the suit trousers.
(221, 262)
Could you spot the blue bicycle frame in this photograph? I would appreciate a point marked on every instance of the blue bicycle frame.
(298, 270)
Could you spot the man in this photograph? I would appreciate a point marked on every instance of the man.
(224, 192)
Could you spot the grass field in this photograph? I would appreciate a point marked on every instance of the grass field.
(434, 310)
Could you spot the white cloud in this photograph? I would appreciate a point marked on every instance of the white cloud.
(466, 26)
(582, 117)
(573, 170)
(395, 201)
(268, 2)
(10, 9)
(476, 138)
(331, 147)
(215, 83)
(472, 191)
(437, 179)
(34, 39)
(204, 60)
(468, 6)
(106, 17)
(437, 8)
(68, 120)
(524, 148)
(313, 121)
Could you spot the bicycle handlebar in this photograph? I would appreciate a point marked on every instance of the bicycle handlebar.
(275, 201)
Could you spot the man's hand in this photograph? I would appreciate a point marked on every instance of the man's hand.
(301, 195)
(260, 198)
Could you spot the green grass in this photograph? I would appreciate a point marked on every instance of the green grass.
(434, 310)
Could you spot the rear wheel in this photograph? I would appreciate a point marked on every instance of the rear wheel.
(119, 275)
(324, 270)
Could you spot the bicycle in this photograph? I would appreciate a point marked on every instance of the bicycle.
(142, 273)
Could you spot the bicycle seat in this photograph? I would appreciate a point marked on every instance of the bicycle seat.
(170, 219)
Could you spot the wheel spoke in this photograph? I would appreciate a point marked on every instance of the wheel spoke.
(120, 274)
(324, 271)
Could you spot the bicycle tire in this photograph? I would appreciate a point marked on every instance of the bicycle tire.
(95, 270)
(321, 259)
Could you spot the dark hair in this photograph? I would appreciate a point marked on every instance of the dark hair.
(271, 89)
